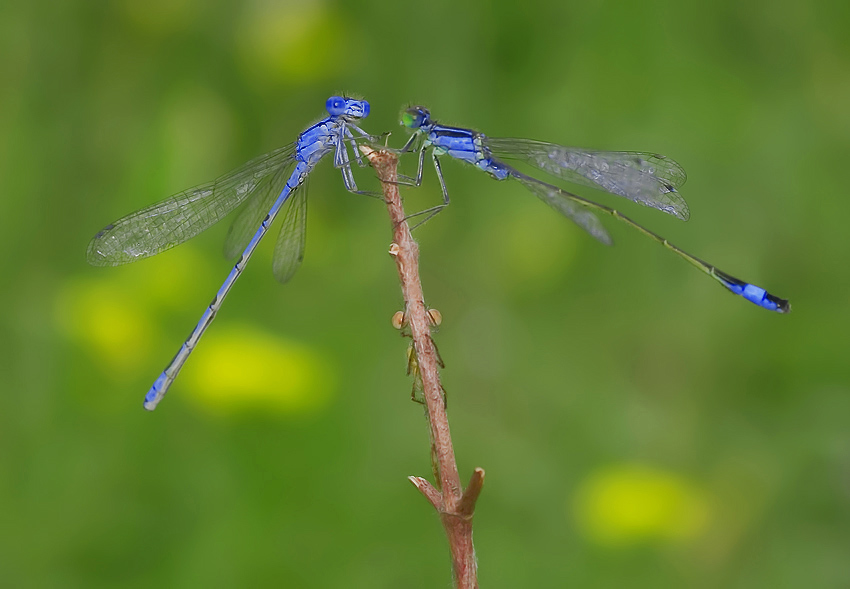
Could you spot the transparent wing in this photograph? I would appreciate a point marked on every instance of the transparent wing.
(646, 178)
(567, 204)
(253, 212)
(289, 249)
(178, 218)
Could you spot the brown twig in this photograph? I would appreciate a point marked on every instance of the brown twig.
(454, 506)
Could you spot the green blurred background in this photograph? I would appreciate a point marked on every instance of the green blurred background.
(639, 426)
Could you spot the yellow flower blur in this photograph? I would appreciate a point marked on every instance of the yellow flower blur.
(109, 320)
(243, 368)
(631, 503)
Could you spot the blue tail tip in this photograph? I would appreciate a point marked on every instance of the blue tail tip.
(150, 401)
(154, 395)
(758, 296)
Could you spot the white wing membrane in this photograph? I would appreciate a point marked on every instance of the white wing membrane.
(289, 249)
(565, 203)
(646, 178)
(178, 218)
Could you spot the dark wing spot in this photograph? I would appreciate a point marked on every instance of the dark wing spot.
(104, 230)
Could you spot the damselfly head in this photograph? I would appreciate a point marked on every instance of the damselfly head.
(416, 117)
(348, 107)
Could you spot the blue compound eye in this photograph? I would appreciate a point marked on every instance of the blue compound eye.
(365, 110)
(335, 105)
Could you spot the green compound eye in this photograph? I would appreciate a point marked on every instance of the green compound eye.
(408, 120)
(415, 117)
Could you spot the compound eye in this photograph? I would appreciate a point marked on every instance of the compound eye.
(413, 118)
(335, 105)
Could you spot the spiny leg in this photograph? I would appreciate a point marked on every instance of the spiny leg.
(431, 212)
